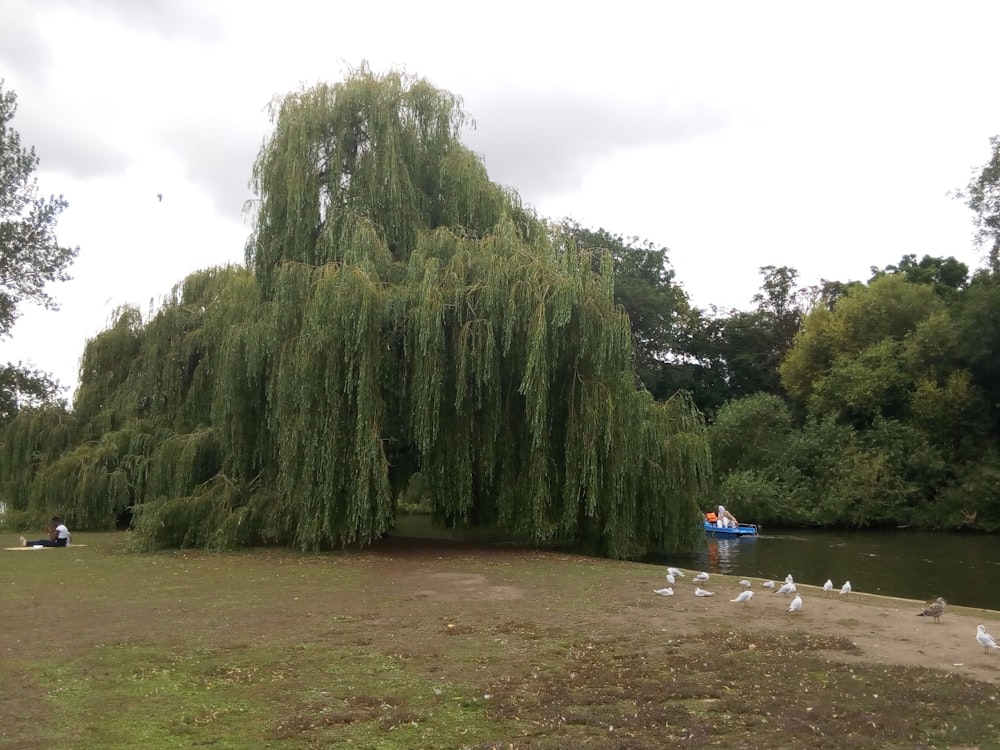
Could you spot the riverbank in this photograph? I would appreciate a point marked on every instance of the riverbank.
(920, 565)
(415, 643)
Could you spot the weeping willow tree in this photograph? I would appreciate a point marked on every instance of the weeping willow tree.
(32, 441)
(401, 319)
(143, 388)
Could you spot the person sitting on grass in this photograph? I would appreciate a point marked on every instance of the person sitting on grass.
(59, 535)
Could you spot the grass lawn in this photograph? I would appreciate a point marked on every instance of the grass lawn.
(432, 644)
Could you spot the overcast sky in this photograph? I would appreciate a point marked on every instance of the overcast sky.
(815, 135)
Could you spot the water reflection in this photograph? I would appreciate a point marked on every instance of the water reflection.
(964, 569)
(723, 555)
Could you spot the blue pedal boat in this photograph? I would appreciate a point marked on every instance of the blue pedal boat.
(743, 529)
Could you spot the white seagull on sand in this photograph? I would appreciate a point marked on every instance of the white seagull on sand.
(846, 588)
(745, 583)
(664, 592)
(675, 572)
(788, 588)
(934, 610)
(744, 597)
(670, 579)
(789, 579)
(768, 584)
(699, 591)
(828, 586)
(985, 639)
(700, 578)
(796, 605)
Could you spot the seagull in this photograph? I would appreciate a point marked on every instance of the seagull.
(700, 578)
(985, 639)
(935, 610)
(159, 197)
(846, 588)
(699, 591)
(745, 583)
(670, 579)
(664, 592)
(768, 584)
(828, 586)
(788, 588)
(745, 597)
(788, 578)
(796, 605)
(675, 572)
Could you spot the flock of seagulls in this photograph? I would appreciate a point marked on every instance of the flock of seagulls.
(933, 610)
(744, 597)
(672, 575)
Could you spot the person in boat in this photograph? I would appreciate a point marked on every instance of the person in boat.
(59, 535)
(724, 519)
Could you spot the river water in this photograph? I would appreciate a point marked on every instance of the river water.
(963, 568)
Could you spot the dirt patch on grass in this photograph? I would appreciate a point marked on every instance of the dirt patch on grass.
(457, 586)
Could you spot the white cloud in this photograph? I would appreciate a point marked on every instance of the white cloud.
(22, 47)
(544, 142)
(739, 135)
(217, 156)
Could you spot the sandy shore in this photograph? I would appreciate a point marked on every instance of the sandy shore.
(885, 629)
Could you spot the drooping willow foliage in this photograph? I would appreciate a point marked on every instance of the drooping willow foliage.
(401, 320)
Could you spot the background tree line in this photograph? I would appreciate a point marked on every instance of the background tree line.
(404, 328)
